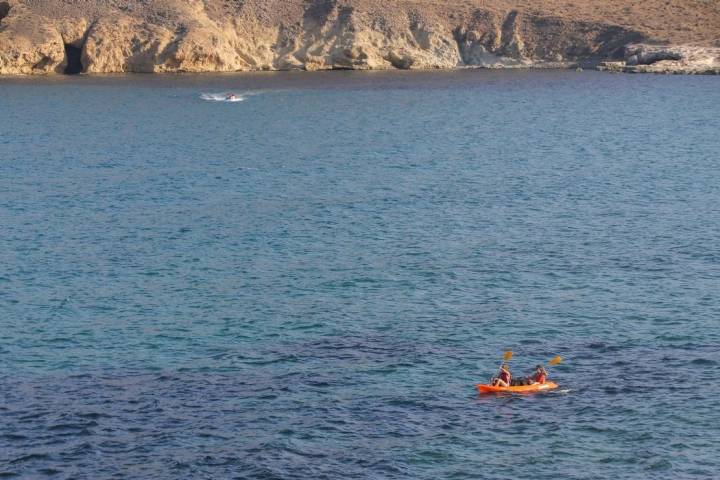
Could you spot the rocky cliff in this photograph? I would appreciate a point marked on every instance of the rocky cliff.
(109, 36)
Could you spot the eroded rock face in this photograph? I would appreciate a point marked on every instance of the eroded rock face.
(29, 44)
(667, 59)
(217, 36)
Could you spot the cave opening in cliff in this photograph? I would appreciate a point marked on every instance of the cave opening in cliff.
(4, 9)
(74, 64)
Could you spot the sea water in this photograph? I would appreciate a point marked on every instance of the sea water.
(309, 282)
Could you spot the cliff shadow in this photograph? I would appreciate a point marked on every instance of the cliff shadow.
(614, 40)
(74, 62)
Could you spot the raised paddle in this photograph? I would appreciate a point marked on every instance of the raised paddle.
(507, 356)
(554, 361)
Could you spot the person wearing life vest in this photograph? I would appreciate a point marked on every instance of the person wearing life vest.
(503, 378)
(540, 374)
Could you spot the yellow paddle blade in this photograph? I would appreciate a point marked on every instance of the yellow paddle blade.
(507, 356)
(555, 360)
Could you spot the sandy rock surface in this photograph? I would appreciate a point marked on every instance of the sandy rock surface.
(109, 36)
(667, 59)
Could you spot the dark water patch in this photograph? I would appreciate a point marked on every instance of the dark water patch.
(212, 436)
(112, 446)
(318, 383)
(659, 465)
(30, 457)
(94, 415)
(49, 471)
(79, 451)
(704, 362)
(33, 415)
(61, 340)
(270, 361)
(618, 460)
(210, 460)
(65, 427)
(604, 348)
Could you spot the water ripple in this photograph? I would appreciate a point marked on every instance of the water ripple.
(309, 283)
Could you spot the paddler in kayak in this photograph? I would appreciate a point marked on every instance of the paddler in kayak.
(503, 378)
(540, 374)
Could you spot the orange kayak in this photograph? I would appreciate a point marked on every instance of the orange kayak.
(538, 387)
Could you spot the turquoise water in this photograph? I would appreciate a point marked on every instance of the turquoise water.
(308, 282)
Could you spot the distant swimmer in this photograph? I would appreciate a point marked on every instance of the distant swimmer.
(230, 96)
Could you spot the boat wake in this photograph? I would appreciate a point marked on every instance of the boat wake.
(229, 97)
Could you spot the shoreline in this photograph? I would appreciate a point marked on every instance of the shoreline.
(58, 37)
(665, 60)
(332, 80)
(616, 67)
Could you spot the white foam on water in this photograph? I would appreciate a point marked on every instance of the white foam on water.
(229, 97)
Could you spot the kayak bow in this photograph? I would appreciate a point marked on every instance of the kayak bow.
(537, 387)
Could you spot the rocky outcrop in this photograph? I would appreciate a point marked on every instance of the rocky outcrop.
(667, 59)
(28, 43)
(56, 36)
